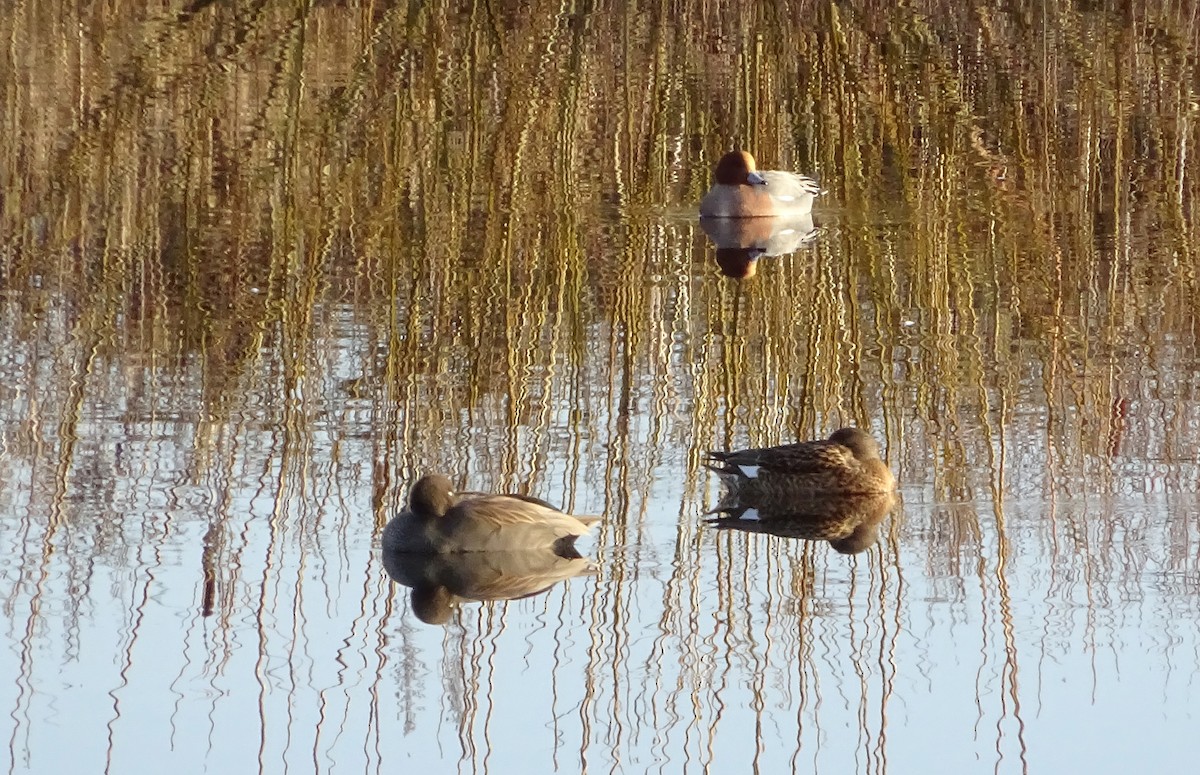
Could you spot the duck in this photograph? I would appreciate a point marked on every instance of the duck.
(743, 191)
(440, 521)
(847, 463)
(850, 523)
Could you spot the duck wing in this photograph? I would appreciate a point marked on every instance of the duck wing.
(504, 523)
(505, 575)
(500, 511)
(507, 510)
(790, 185)
(806, 457)
(471, 494)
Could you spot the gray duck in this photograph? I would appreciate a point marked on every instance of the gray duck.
(440, 521)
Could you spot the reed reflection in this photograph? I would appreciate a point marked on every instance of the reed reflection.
(261, 267)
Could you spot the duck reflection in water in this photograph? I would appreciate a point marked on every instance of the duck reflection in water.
(740, 242)
(452, 546)
(850, 523)
(837, 489)
(441, 582)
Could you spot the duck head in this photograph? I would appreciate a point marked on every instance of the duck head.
(431, 496)
(859, 442)
(737, 168)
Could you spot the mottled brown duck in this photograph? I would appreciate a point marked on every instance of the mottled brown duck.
(847, 463)
(440, 521)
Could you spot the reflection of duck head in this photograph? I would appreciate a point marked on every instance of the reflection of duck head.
(738, 263)
(849, 523)
(441, 581)
(864, 536)
(740, 242)
(433, 605)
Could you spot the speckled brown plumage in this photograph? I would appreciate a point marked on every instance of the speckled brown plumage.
(847, 463)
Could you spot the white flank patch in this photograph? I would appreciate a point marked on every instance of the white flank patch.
(750, 472)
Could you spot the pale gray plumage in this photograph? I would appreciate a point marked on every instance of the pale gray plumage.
(439, 521)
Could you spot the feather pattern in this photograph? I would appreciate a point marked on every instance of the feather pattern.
(847, 463)
(440, 521)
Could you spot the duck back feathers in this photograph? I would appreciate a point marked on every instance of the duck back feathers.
(847, 463)
(438, 520)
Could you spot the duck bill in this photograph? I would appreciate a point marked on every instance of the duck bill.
(754, 179)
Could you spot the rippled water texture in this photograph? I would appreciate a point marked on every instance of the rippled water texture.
(262, 265)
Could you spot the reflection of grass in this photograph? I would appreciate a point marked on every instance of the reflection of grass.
(220, 184)
(293, 251)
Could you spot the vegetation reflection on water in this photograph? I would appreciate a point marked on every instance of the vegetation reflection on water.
(263, 266)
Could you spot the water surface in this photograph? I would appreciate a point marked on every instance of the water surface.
(261, 269)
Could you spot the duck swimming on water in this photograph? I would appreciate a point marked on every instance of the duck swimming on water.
(440, 521)
(847, 463)
(741, 190)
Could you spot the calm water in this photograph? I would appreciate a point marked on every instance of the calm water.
(257, 273)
